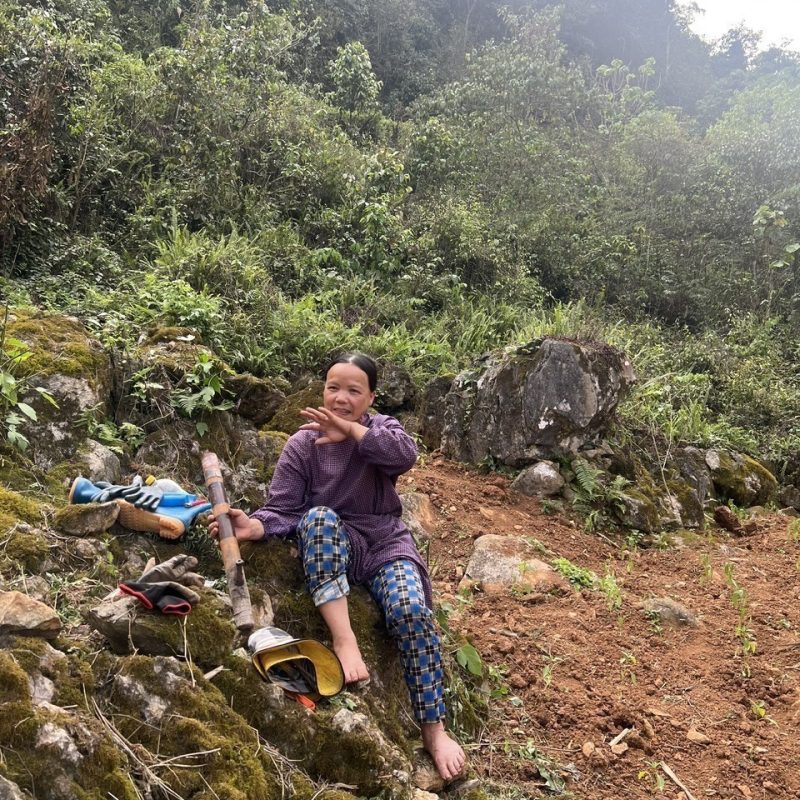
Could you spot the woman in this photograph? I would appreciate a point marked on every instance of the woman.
(334, 488)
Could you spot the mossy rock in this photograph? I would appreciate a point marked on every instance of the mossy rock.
(274, 567)
(59, 346)
(70, 672)
(206, 635)
(638, 511)
(688, 503)
(16, 471)
(257, 399)
(166, 333)
(199, 720)
(19, 507)
(52, 753)
(740, 478)
(27, 549)
(287, 417)
(274, 441)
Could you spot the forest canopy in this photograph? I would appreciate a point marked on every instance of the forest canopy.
(424, 179)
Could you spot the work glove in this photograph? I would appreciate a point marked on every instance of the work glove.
(108, 491)
(165, 586)
(178, 569)
(168, 597)
(142, 496)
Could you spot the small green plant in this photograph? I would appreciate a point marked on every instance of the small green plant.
(652, 774)
(469, 658)
(655, 621)
(14, 413)
(550, 507)
(577, 576)
(745, 635)
(117, 438)
(708, 569)
(547, 769)
(201, 390)
(627, 662)
(595, 493)
(793, 531)
(758, 708)
(610, 589)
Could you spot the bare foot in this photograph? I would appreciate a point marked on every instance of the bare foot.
(352, 661)
(446, 753)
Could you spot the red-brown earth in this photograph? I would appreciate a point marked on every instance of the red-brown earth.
(571, 673)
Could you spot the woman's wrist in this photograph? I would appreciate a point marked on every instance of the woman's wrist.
(257, 530)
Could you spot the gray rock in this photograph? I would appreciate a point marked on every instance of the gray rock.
(540, 480)
(541, 400)
(86, 519)
(740, 478)
(790, 497)
(152, 707)
(670, 612)
(128, 627)
(10, 791)
(500, 562)
(636, 510)
(395, 389)
(418, 515)
(425, 777)
(102, 464)
(35, 586)
(431, 411)
(58, 740)
(692, 466)
(23, 616)
(59, 437)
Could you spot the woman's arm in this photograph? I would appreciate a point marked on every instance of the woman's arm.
(288, 492)
(386, 444)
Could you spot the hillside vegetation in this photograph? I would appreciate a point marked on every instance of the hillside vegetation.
(421, 179)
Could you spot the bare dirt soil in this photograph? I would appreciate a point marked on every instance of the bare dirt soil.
(572, 673)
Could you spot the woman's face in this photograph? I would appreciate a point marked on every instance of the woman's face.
(347, 393)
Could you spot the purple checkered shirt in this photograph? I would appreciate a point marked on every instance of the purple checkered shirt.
(355, 479)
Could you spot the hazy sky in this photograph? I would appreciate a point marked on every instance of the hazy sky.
(778, 19)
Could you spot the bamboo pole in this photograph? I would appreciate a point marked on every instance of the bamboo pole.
(228, 544)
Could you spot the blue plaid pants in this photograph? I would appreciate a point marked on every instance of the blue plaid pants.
(398, 591)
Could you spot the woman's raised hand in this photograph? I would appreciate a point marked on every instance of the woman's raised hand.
(333, 428)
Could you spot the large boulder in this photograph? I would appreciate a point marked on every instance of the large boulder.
(541, 400)
(740, 478)
(431, 411)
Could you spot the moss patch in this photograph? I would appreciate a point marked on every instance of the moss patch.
(59, 345)
(275, 441)
(14, 504)
(28, 550)
(287, 418)
(209, 630)
(742, 479)
(200, 720)
(101, 767)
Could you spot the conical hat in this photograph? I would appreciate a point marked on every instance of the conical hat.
(299, 665)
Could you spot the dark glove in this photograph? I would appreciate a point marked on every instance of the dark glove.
(175, 569)
(146, 497)
(108, 491)
(168, 597)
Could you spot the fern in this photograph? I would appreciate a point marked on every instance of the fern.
(586, 478)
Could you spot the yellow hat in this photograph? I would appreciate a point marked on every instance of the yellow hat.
(305, 666)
